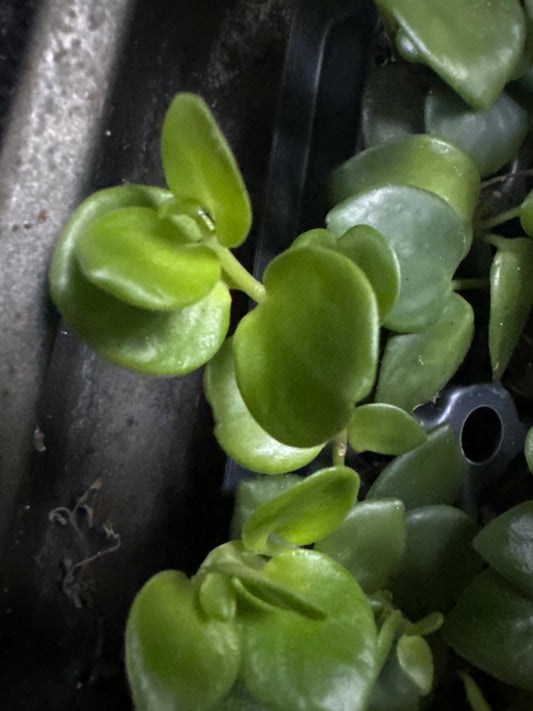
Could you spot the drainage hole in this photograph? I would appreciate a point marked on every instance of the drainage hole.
(481, 434)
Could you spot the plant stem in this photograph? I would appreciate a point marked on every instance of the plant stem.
(241, 277)
(340, 445)
(500, 219)
(464, 284)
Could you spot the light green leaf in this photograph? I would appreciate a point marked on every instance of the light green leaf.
(237, 432)
(369, 542)
(304, 513)
(199, 164)
(308, 351)
(511, 298)
(430, 474)
(416, 366)
(473, 693)
(385, 429)
(416, 661)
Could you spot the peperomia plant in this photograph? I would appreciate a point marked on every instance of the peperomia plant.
(323, 602)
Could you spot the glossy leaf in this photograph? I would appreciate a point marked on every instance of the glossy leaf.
(239, 700)
(176, 657)
(430, 474)
(303, 514)
(283, 661)
(438, 562)
(199, 164)
(429, 241)
(416, 366)
(506, 543)
(369, 542)
(237, 432)
(158, 343)
(511, 298)
(491, 138)
(394, 691)
(528, 449)
(393, 104)
(308, 351)
(422, 161)
(477, 64)
(416, 661)
(385, 429)
(492, 627)
(216, 597)
(135, 256)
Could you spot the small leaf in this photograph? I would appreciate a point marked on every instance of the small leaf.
(369, 542)
(528, 449)
(199, 165)
(416, 661)
(308, 351)
(216, 597)
(526, 214)
(237, 432)
(511, 298)
(473, 693)
(416, 366)
(430, 474)
(304, 513)
(385, 429)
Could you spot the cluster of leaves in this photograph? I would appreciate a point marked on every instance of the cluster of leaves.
(144, 276)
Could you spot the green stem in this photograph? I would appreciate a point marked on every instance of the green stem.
(499, 219)
(340, 445)
(242, 278)
(464, 284)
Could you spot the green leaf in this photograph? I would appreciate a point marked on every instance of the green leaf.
(438, 562)
(473, 46)
(385, 429)
(430, 474)
(304, 513)
(199, 165)
(308, 351)
(428, 238)
(526, 214)
(369, 542)
(143, 260)
(511, 298)
(492, 628)
(237, 432)
(473, 693)
(416, 661)
(159, 343)
(176, 657)
(506, 544)
(491, 138)
(528, 449)
(421, 161)
(416, 366)
(216, 596)
(283, 661)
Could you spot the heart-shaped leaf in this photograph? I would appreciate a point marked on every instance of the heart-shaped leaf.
(423, 161)
(135, 256)
(176, 657)
(491, 138)
(385, 429)
(369, 542)
(473, 46)
(416, 661)
(283, 661)
(304, 513)
(308, 351)
(430, 474)
(237, 432)
(511, 298)
(199, 164)
(428, 238)
(416, 366)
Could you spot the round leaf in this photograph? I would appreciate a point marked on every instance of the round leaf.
(369, 542)
(492, 627)
(176, 657)
(491, 138)
(416, 661)
(416, 366)
(304, 513)
(237, 432)
(284, 665)
(430, 474)
(199, 165)
(308, 351)
(385, 429)
(511, 299)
